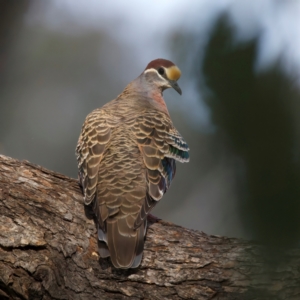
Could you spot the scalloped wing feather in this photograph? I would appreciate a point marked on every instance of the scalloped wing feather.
(126, 164)
(160, 145)
(95, 135)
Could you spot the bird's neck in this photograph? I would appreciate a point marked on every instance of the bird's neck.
(157, 97)
(145, 92)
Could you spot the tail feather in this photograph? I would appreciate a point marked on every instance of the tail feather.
(125, 244)
(140, 244)
(102, 236)
(103, 250)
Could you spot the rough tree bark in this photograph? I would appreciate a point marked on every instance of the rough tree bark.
(48, 250)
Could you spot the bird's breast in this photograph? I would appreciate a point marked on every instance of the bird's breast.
(157, 100)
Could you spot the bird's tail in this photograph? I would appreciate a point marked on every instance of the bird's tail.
(124, 244)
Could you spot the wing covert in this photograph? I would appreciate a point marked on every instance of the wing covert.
(95, 135)
(160, 145)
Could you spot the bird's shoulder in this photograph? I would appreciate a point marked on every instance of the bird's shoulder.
(160, 121)
(144, 121)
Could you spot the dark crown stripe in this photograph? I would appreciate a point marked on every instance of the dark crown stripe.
(160, 62)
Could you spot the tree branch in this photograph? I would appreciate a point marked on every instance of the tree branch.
(48, 250)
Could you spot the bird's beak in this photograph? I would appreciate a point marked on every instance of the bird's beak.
(175, 86)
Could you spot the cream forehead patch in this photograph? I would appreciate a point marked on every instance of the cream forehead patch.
(173, 73)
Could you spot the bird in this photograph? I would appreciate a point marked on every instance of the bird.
(126, 155)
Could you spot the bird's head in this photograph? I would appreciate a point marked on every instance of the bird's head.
(163, 74)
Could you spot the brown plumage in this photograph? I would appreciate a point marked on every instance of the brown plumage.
(126, 158)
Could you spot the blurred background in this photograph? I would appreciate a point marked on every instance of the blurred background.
(239, 111)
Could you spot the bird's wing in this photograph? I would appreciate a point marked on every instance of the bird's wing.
(95, 135)
(160, 145)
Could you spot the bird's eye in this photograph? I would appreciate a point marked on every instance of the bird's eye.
(161, 71)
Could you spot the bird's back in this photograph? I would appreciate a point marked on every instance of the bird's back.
(121, 191)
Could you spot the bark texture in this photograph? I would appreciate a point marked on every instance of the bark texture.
(48, 250)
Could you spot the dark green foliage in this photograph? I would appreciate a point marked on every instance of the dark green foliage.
(256, 112)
